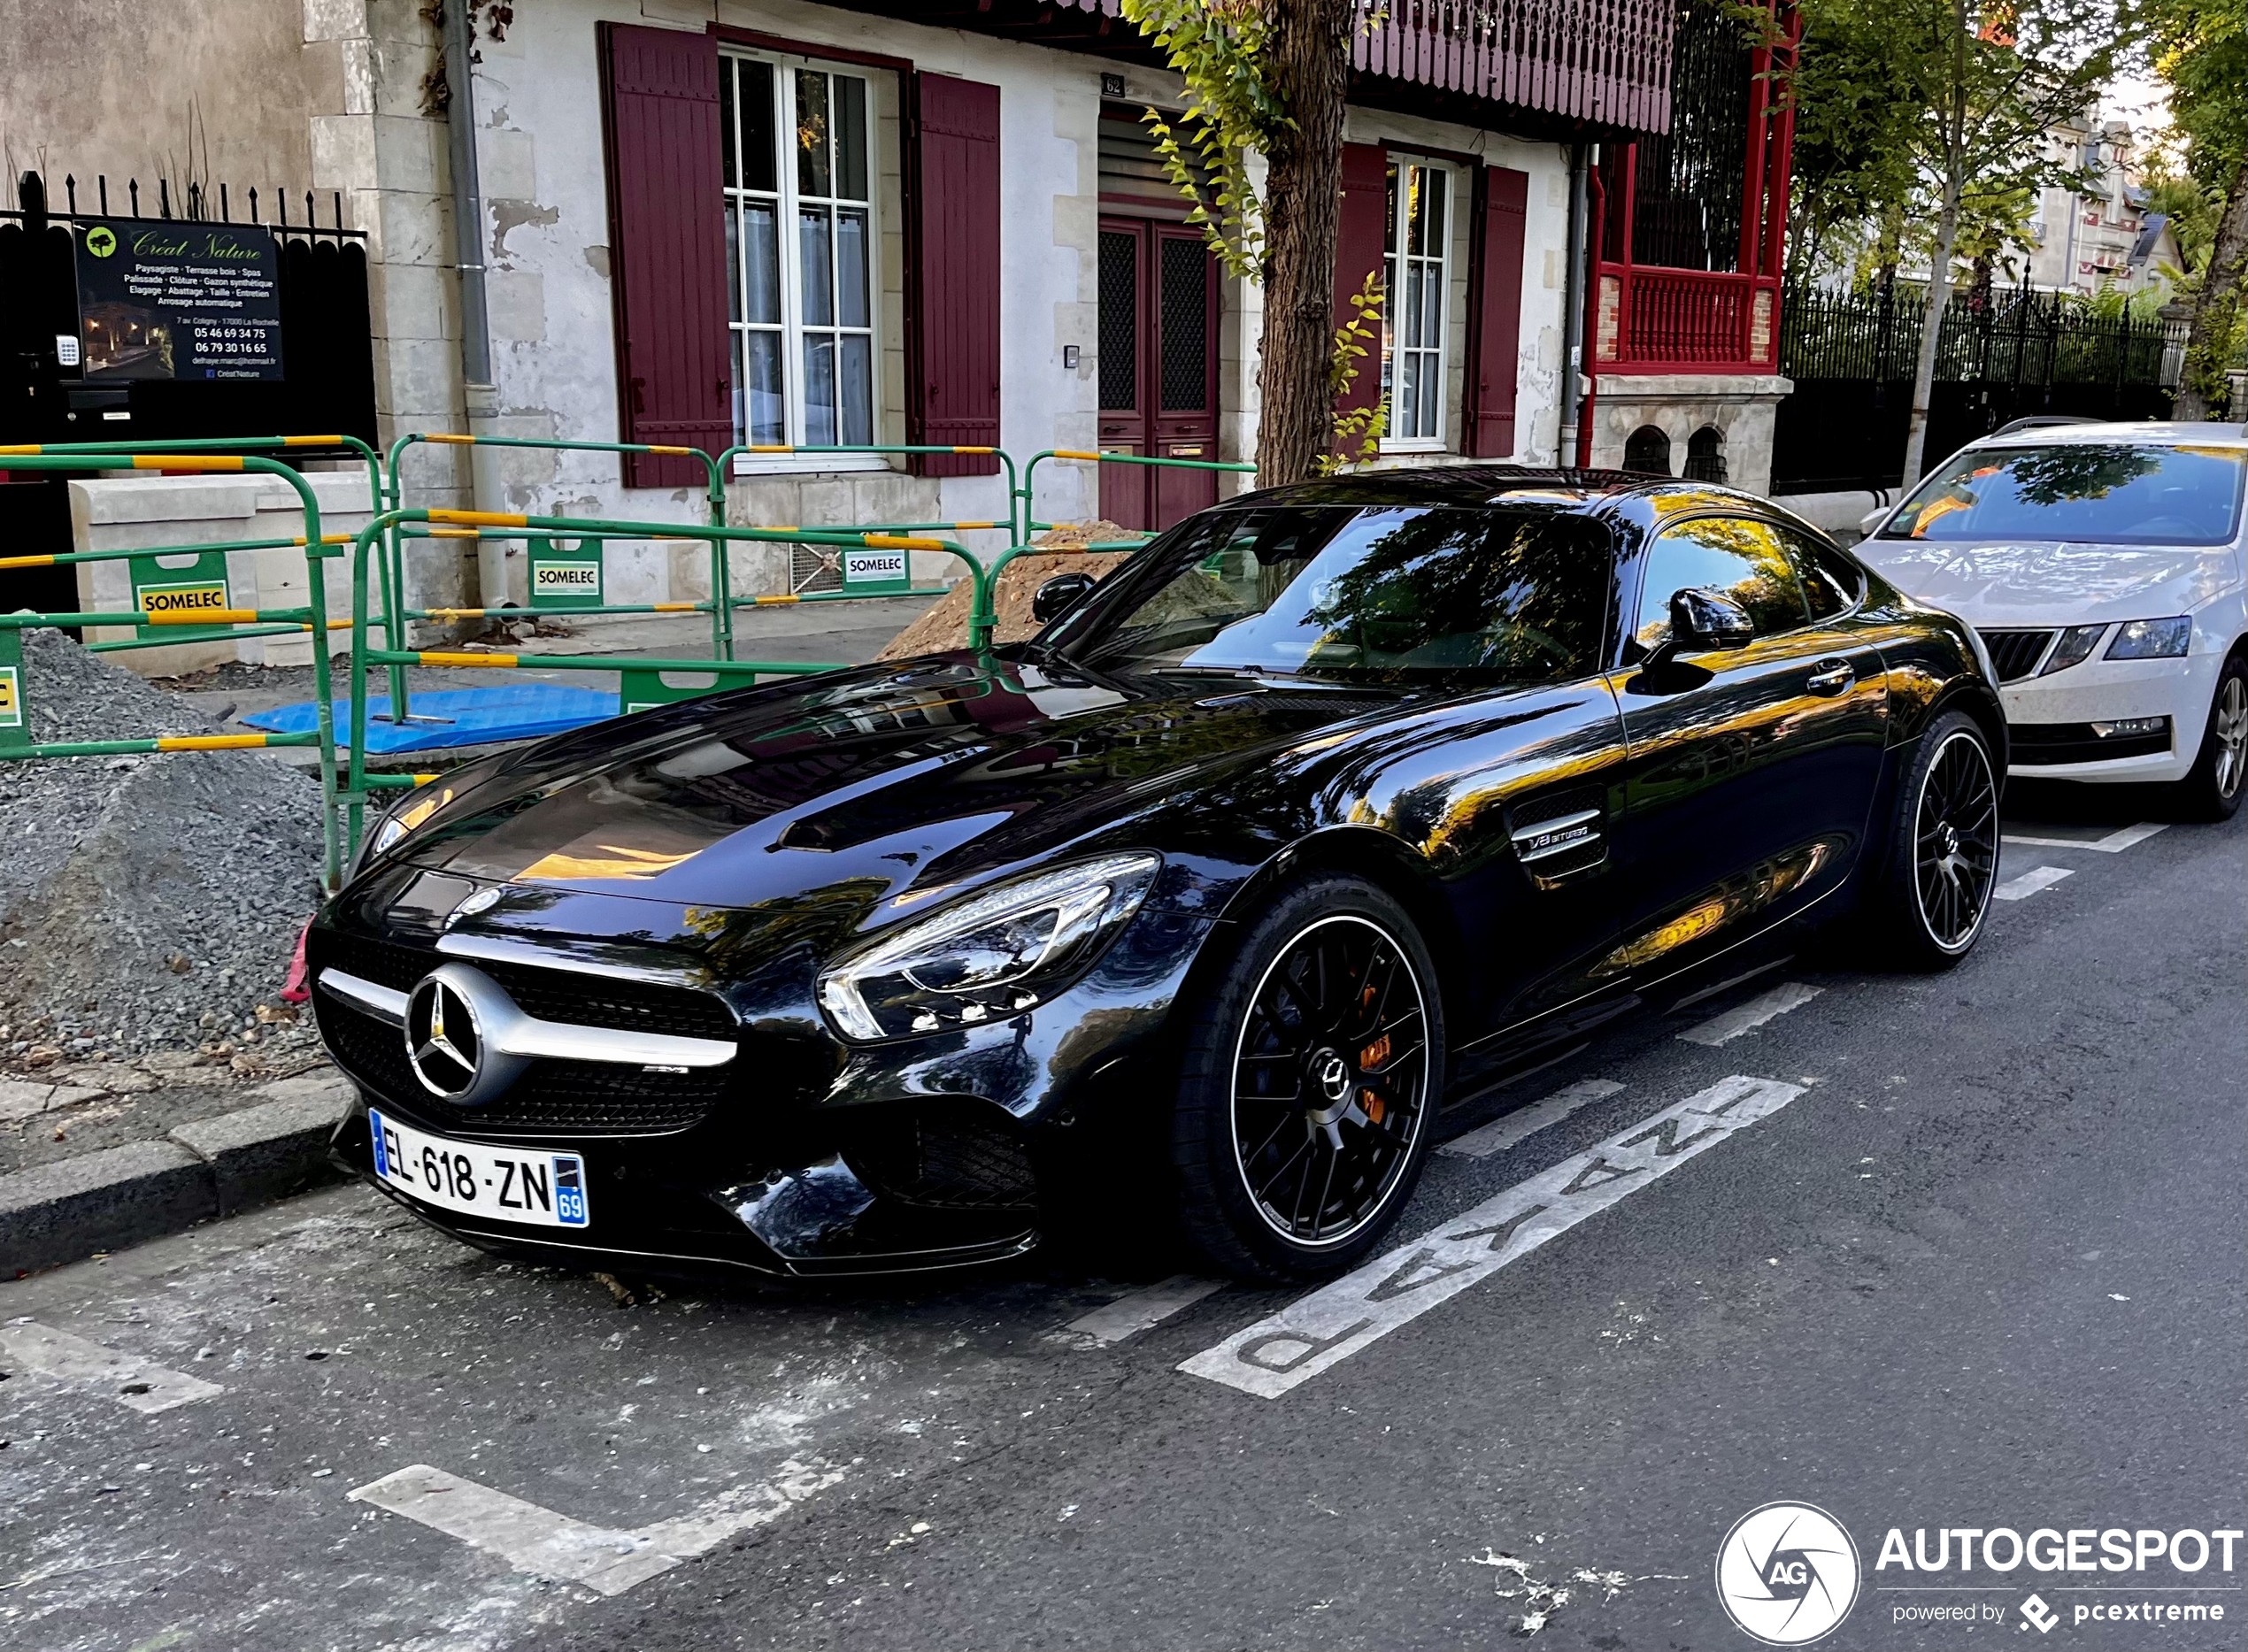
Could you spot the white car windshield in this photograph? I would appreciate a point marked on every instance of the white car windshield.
(2104, 493)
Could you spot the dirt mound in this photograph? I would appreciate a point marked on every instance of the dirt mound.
(145, 901)
(944, 624)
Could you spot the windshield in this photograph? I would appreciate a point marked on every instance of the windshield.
(2119, 494)
(1400, 595)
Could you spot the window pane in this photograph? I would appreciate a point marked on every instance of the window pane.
(733, 268)
(1412, 289)
(816, 276)
(756, 126)
(1401, 595)
(1432, 305)
(1431, 381)
(1437, 183)
(728, 139)
(740, 390)
(850, 268)
(1120, 319)
(812, 131)
(856, 372)
(762, 253)
(819, 389)
(768, 413)
(1389, 235)
(1739, 559)
(1408, 400)
(851, 138)
(1417, 210)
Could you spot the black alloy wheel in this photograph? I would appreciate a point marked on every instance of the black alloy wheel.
(1955, 840)
(1934, 892)
(1311, 1079)
(1330, 1080)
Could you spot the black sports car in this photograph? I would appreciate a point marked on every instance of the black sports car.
(1183, 912)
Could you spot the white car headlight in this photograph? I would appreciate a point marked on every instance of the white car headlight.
(990, 956)
(2153, 638)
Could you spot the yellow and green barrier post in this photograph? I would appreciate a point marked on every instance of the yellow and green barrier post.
(313, 616)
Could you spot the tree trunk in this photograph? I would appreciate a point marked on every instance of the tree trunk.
(1947, 236)
(1308, 70)
(2217, 310)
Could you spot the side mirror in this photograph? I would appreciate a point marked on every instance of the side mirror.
(1058, 595)
(1701, 619)
(1704, 618)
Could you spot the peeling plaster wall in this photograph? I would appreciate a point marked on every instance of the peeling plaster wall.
(546, 230)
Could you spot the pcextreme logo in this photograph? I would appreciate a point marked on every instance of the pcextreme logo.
(1787, 1574)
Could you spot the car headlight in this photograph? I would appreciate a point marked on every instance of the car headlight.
(2075, 644)
(2153, 638)
(989, 957)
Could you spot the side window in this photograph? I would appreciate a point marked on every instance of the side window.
(1831, 581)
(1743, 559)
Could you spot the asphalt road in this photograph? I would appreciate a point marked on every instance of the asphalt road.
(1926, 1252)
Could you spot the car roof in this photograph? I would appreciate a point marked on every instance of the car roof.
(1484, 484)
(2145, 433)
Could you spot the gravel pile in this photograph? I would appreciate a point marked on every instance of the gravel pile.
(147, 903)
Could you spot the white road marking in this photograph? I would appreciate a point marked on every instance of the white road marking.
(1139, 1311)
(1486, 1140)
(129, 1380)
(550, 1545)
(2027, 885)
(1723, 1029)
(2114, 843)
(1314, 1331)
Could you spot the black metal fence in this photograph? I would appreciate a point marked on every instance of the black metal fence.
(2001, 355)
(327, 360)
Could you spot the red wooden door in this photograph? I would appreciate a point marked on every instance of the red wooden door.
(1158, 369)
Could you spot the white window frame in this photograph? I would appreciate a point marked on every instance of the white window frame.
(785, 198)
(1435, 358)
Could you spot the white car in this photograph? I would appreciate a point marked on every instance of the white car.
(2103, 566)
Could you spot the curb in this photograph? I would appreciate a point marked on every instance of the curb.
(58, 1213)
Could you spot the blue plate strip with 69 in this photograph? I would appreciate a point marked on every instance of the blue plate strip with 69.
(505, 1184)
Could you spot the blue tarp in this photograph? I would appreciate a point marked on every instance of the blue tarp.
(476, 717)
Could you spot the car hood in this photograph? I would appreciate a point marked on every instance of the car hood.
(2026, 582)
(879, 780)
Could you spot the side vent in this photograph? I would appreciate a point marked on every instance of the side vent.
(1560, 835)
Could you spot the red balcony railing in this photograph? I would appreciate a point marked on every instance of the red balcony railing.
(1685, 320)
(1606, 61)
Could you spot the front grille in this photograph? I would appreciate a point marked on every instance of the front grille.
(551, 1098)
(2015, 653)
(2042, 745)
(551, 995)
(960, 1156)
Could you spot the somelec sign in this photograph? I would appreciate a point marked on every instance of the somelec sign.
(199, 596)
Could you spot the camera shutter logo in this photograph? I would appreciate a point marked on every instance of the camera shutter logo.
(1787, 1573)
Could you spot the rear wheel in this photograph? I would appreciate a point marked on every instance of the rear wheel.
(1942, 860)
(1311, 1075)
(2214, 786)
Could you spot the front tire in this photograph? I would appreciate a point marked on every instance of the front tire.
(2212, 788)
(1311, 1078)
(1934, 891)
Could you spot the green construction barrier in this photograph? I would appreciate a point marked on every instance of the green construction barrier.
(565, 575)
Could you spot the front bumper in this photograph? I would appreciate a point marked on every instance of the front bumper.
(815, 1157)
(2064, 705)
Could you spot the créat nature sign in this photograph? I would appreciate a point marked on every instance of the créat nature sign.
(166, 300)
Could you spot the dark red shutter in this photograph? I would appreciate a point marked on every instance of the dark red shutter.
(1361, 238)
(953, 251)
(1495, 312)
(667, 248)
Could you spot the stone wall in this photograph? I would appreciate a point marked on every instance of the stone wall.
(1739, 406)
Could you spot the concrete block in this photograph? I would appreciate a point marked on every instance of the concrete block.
(278, 1148)
(344, 153)
(516, 301)
(506, 165)
(57, 1213)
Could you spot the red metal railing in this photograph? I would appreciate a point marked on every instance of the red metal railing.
(1604, 61)
(1685, 320)
(1599, 60)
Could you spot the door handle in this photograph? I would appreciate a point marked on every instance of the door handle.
(1831, 677)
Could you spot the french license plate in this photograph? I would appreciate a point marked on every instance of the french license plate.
(505, 1184)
